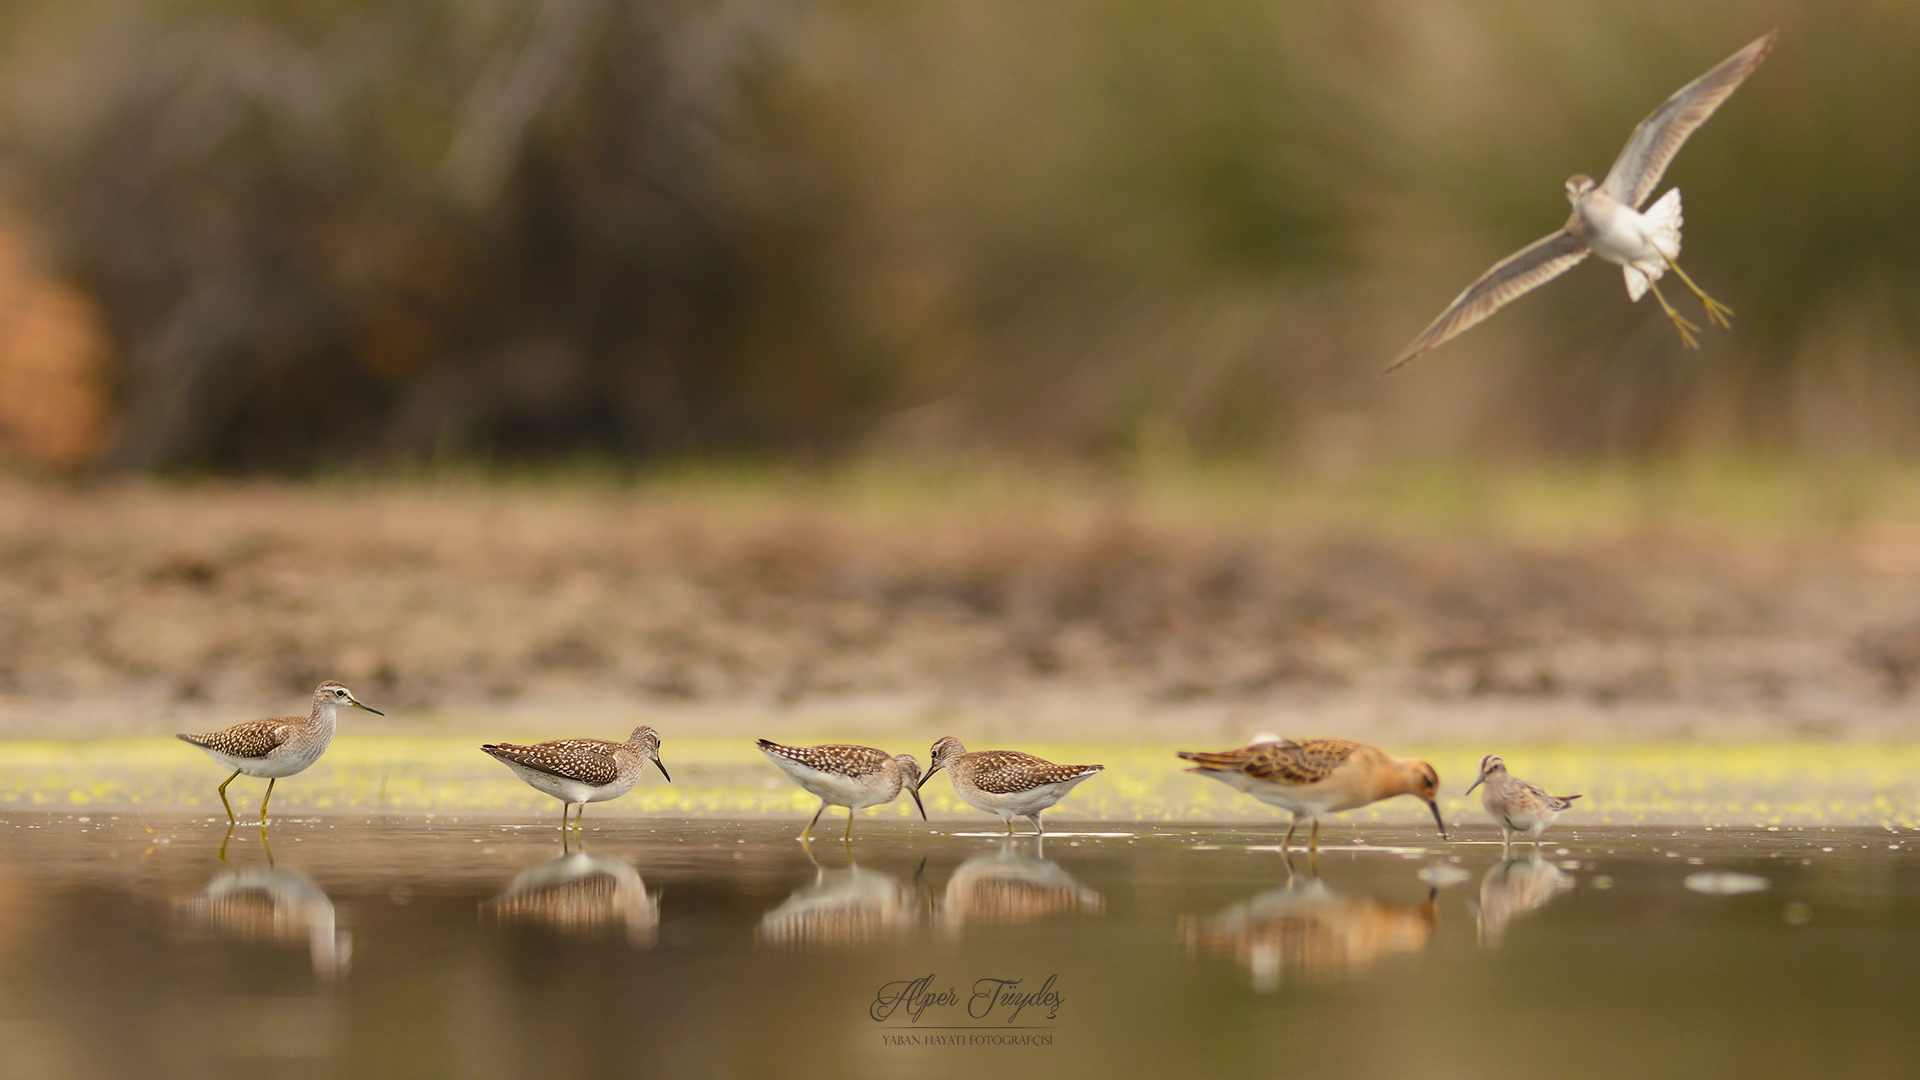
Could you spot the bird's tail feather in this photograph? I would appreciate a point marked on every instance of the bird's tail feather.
(1663, 226)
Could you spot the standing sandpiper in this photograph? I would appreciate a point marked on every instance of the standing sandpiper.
(582, 770)
(1311, 777)
(1006, 782)
(849, 776)
(278, 747)
(1517, 805)
(1607, 220)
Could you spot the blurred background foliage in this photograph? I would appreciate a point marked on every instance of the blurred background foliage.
(291, 235)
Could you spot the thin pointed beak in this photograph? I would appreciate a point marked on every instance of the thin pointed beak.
(923, 783)
(915, 792)
(369, 708)
(1435, 807)
(662, 766)
(1475, 784)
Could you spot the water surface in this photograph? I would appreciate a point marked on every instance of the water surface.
(482, 946)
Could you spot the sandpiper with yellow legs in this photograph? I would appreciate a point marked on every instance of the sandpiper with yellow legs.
(580, 771)
(278, 747)
(1518, 807)
(1607, 220)
(849, 776)
(1311, 777)
(1008, 783)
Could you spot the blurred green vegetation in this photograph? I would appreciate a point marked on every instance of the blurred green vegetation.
(366, 234)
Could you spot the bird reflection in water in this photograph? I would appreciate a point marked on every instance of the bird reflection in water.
(274, 905)
(1515, 887)
(1014, 884)
(848, 906)
(1306, 929)
(578, 893)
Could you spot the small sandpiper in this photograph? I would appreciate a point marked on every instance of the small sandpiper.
(580, 771)
(1006, 782)
(1311, 777)
(1607, 220)
(849, 776)
(1518, 806)
(278, 747)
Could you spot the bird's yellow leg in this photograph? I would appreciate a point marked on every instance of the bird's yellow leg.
(264, 801)
(1288, 839)
(223, 797)
(1717, 312)
(848, 838)
(807, 833)
(1313, 838)
(1686, 328)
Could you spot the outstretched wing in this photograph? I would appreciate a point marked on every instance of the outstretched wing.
(1651, 147)
(1524, 270)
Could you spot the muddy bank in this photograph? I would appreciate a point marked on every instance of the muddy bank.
(129, 609)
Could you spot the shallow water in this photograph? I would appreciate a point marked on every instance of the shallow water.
(477, 947)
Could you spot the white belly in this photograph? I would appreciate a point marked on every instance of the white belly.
(838, 789)
(1627, 239)
(1312, 800)
(1018, 803)
(572, 791)
(288, 759)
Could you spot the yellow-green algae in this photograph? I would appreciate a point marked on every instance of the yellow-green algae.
(1744, 784)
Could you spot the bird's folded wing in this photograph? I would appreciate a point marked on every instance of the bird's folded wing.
(253, 739)
(1307, 761)
(588, 760)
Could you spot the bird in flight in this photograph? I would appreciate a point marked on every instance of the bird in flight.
(1607, 220)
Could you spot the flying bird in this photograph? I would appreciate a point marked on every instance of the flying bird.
(1607, 220)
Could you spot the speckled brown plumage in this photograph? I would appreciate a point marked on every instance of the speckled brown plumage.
(1007, 772)
(1306, 761)
(252, 739)
(278, 747)
(841, 774)
(1518, 806)
(842, 758)
(582, 770)
(590, 761)
(1008, 783)
(1310, 777)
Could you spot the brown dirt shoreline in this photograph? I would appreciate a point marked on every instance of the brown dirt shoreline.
(142, 607)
